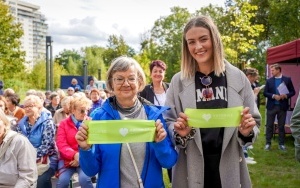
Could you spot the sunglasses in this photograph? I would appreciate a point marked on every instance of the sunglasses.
(82, 111)
(207, 92)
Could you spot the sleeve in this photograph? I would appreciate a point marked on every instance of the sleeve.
(165, 151)
(26, 157)
(291, 88)
(295, 128)
(88, 158)
(48, 134)
(65, 150)
(267, 92)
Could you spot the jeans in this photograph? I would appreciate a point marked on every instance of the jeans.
(67, 173)
(44, 180)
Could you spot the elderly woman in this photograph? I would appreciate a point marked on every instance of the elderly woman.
(67, 145)
(126, 78)
(63, 112)
(17, 158)
(96, 99)
(39, 128)
(13, 106)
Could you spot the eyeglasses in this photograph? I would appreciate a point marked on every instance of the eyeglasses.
(207, 92)
(28, 106)
(121, 81)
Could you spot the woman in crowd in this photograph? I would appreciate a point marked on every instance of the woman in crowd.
(126, 78)
(67, 145)
(209, 157)
(17, 158)
(13, 108)
(63, 112)
(96, 99)
(75, 85)
(39, 128)
(156, 91)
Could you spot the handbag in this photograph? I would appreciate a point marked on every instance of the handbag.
(43, 164)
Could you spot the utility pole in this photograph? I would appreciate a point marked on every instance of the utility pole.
(48, 64)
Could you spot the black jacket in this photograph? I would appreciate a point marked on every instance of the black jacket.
(148, 92)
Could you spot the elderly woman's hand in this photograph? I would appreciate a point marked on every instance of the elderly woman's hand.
(81, 137)
(247, 122)
(181, 125)
(160, 131)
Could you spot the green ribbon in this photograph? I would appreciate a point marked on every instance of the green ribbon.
(213, 118)
(120, 131)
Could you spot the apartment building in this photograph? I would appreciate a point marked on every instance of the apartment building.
(35, 30)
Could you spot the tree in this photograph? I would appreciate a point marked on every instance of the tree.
(11, 56)
(115, 48)
(165, 40)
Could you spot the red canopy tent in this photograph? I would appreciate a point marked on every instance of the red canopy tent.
(285, 53)
(288, 56)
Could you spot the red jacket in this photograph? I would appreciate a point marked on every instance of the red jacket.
(66, 142)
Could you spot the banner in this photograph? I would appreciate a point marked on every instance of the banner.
(120, 131)
(213, 118)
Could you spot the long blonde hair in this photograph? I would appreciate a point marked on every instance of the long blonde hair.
(188, 63)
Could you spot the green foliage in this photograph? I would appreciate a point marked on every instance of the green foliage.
(165, 40)
(115, 48)
(94, 56)
(37, 77)
(11, 55)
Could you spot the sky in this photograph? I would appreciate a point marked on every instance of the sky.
(73, 24)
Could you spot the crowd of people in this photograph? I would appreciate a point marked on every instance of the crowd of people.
(46, 136)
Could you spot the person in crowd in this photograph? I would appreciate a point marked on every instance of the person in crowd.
(295, 128)
(1, 87)
(8, 91)
(17, 158)
(39, 128)
(209, 157)
(277, 104)
(75, 85)
(13, 108)
(70, 91)
(42, 98)
(67, 145)
(87, 93)
(63, 112)
(156, 91)
(61, 93)
(91, 85)
(32, 92)
(3, 104)
(252, 75)
(96, 99)
(47, 99)
(55, 103)
(126, 78)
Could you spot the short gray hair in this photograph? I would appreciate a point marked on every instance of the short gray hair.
(122, 64)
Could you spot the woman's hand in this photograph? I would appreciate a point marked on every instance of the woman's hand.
(74, 163)
(81, 137)
(181, 125)
(160, 131)
(247, 122)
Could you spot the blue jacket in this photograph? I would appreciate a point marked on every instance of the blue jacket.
(42, 137)
(270, 90)
(104, 159)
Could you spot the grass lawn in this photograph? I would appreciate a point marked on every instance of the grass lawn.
(274, 168)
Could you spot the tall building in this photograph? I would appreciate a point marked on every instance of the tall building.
(34, 27)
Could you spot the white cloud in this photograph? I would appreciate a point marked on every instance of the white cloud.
(78, 23)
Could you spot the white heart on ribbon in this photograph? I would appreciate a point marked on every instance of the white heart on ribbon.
(123, 131)
(206, 117)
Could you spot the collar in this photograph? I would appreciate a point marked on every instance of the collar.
(280, 76)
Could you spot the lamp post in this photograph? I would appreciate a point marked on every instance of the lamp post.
(85, 77)
(49, 64)
(99, 74)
